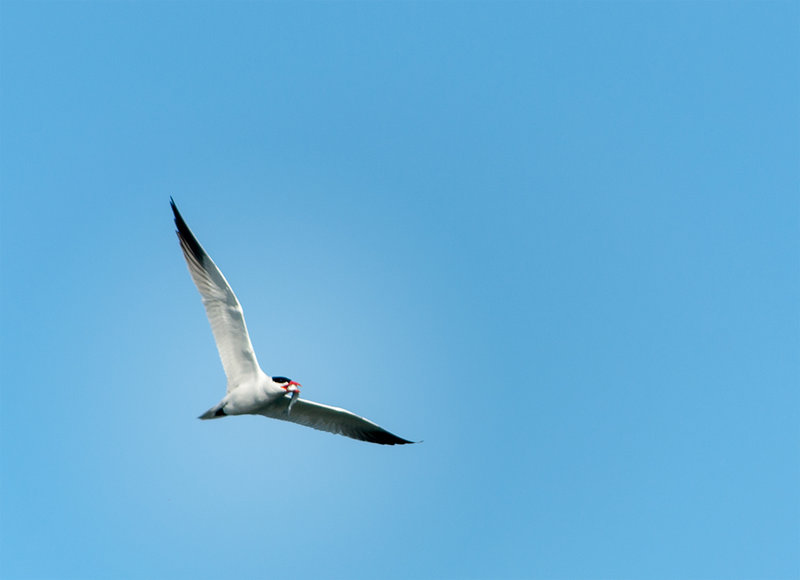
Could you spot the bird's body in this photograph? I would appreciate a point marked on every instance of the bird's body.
(249, 397)
(250, 391)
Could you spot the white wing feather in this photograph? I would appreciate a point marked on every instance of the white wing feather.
(222, 308)
(331, 419)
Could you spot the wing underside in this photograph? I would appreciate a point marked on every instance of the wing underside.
(332, 420)
(222, 308)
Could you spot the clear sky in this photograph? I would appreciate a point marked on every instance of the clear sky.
(559, 242)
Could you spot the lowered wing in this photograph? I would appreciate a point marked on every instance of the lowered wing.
(331, 419)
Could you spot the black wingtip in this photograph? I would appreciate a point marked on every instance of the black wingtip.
(186, 235)
(387, 438)
(175, 211)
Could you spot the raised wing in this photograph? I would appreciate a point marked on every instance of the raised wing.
(331, 419)
(222, 308)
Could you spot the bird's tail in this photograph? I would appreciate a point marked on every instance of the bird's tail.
(214, 412)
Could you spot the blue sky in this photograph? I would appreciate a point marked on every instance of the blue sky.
(560, 242)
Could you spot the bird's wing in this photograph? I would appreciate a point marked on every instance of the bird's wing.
(222, 308)
(331, 419)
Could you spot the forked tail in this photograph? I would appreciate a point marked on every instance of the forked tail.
(214, 412)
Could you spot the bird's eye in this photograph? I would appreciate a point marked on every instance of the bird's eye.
(280, 379)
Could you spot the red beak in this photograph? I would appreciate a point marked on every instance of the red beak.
(292, 383)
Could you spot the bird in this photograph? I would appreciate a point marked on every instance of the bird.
(250, 391)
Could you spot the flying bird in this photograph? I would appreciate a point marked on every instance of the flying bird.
(250, 390)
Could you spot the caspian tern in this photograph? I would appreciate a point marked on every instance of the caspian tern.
(250, 390)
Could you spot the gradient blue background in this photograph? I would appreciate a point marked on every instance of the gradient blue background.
(558, 242)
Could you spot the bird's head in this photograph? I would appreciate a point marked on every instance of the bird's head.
(292, 389)
(287, 385)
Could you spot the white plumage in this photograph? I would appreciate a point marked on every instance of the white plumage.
(250, 390)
